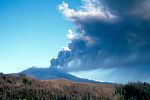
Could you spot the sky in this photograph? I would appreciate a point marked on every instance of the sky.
(31, 33)
(105, 40)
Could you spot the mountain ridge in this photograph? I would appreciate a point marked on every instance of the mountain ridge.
(54, 73)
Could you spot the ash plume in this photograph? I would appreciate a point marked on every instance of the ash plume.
(110, 34)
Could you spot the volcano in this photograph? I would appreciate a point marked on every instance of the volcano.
(54, 73)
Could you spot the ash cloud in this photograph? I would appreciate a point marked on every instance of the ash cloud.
(111, 34)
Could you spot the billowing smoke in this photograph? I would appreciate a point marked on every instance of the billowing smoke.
(111, 33)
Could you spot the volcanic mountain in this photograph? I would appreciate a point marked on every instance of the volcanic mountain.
(53, 73)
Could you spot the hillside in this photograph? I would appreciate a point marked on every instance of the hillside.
(53, 73)
(22, 87)
(26, 88)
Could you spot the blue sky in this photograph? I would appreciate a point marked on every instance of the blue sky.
(31, 33)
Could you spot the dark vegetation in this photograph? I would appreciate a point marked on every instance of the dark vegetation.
(133, 91)
(26, 88)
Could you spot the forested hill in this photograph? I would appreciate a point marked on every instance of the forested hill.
(26, 88)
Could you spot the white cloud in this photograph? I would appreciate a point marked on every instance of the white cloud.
(65, 9)
(89, 9)
(70, 34)
(66, 49)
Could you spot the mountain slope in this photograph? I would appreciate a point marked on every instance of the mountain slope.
(26, 88)
(53, 73)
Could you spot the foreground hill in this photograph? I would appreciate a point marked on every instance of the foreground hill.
(53, 73)
(22, 87)
(26, 88)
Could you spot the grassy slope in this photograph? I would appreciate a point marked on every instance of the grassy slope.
(23, 87)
